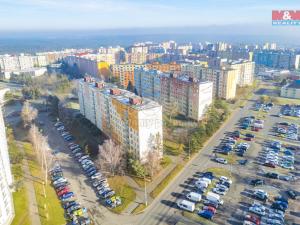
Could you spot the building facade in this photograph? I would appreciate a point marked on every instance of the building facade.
(125, 73)
(224, 80)
(291, 90)
(245, 70)
(129, 120)
(6, 180)
(147, 83)
(164, 67)
(177, 94)
(275, 59)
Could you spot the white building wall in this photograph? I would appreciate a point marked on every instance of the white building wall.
(6, 201)
(150, 124)
(205, 98)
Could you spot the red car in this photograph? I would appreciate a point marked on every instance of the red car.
(255, 129)
(253, 219)
(210, 208)
(270, 164)
(64, 191)
(248, 139)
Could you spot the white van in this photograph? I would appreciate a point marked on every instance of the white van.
(186, 205)
(214, 198)
(193, 196)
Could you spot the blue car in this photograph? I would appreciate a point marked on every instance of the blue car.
(93, 168)
(92, 173)
(69, 204)
(90, 168)
(67, 196)
(206, 214)
(208, 175)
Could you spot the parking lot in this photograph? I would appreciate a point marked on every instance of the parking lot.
(254, 165)
(240, 169)
(79, 181)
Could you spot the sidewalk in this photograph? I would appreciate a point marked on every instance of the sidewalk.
(28, 182)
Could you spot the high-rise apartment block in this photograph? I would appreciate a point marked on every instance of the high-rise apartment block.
(164, 67)
(125, 73)
(181, 94)
(129, 120)
(275, 59)
(224, 80)
(6, 180)
(245, 70)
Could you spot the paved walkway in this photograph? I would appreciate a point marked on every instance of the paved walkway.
(28, 182)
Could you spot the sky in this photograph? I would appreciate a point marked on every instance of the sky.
(16, 15)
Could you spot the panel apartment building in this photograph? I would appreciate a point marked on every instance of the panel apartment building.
(129, 120)
(224, 80)
(125, 73)
(6, 180)
(245, 70)
(186, 95)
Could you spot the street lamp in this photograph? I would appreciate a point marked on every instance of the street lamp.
(145, 189)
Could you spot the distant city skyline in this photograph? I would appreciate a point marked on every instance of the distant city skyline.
(103, 14)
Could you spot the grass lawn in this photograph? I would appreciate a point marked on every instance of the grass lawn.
(173, 148)
(50, 209)
(20, 195)
(127, 194)
(231, 158)
(140, 181)
(166, 160)
(199, 219)
(164, 183)
(284, 101)
(21, 208)
(140, 208)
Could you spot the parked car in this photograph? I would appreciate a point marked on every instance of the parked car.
(186, 205)
(272, 175)
(207, 214)
(210, 208)
(252, 218)
(260, 194)
(257, 211)
(292, 194)
(221, 160)
(193, 196)
(68, 204)
(257, 182)
(67, 196)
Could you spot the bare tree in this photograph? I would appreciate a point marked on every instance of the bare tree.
(28, 114)
(42, 151)
(153, 162)
(110, 157)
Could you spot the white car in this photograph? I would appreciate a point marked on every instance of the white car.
(97, 175)
(221, 160)
(223, 178)
(60, 128)
(60, 180)
(259, 205)
(222, 186)
(257, 210)
(219, 191)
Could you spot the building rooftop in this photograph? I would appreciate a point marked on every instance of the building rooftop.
(123, 96)
(295, 84)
